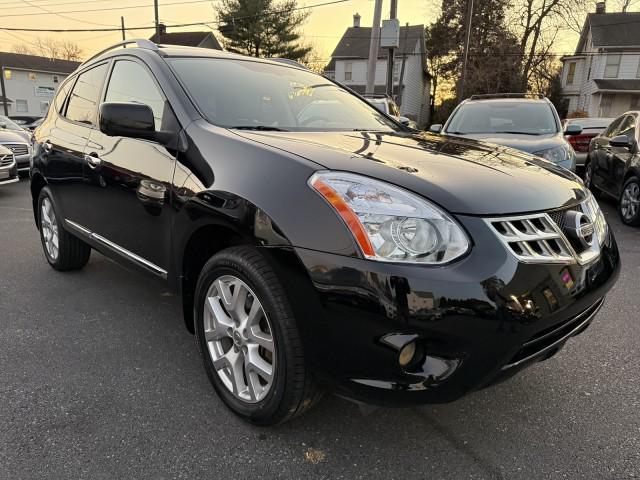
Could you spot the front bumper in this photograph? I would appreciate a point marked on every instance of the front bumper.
(477, 321)
(24, 162)
(581, 159)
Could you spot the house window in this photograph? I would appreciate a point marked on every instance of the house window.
(348, 71)
(8, 74)
(571, 73)
(32, 76)
(612, 66)
(55, 79)
(22, 106)
(396, 71)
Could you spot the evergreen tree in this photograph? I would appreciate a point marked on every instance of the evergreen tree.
(263, 28)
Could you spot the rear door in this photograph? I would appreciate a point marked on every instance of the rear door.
(63, 144)
(621, 156)
(128, 180)
(601, 156)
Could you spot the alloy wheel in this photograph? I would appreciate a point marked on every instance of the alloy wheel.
(49, 227)
(630, 201)
(239, 339)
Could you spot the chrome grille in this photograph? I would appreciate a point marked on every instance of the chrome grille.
(6, 160)
(17, 148)
(533, 238)
(558, 215)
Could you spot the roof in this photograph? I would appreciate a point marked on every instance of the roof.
(618, 84)
(618, 29)
(188, 39)
(5, 99)
(356, 40)
(36, 63)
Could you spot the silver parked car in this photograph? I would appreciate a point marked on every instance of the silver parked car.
(16, 139)
(8, 170)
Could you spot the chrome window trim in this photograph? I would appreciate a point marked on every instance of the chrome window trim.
(117, 248)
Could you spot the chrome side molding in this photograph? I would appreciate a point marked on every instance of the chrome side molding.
(117, 248)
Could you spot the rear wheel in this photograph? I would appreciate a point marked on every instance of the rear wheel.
(588, 177)
(62, 250)
(629, 205)
(248, 339)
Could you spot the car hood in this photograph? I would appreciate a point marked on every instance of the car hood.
(463, 176)
(10, 136)
(526, 143)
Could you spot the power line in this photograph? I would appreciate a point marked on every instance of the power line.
(61, 16)
(111, 9)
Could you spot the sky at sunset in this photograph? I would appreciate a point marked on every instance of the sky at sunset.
(323, 29)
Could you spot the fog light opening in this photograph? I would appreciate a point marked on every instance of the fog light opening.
(407, 354)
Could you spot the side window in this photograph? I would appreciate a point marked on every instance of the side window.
(61, 96)
(130, 82)
(85, 95)
(628, 127)
(613, 128)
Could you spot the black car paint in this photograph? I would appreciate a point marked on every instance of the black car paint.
(613, 165)
(222, 187)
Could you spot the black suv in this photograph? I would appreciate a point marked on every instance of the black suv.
(317, 243)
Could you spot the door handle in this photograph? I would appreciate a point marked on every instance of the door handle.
(93, 161)
(47, 146)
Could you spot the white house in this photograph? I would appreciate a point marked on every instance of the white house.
(602, 78)
(30, 82)
(348, 66)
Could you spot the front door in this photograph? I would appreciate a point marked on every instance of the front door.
(128, 180)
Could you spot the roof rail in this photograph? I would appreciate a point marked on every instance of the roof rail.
(376, 95)
(506, 95)
(288, 61)
(140, 43)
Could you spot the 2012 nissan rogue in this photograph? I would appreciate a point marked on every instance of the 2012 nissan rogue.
(317, 244)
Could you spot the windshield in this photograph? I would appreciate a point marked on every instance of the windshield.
(528, 118)
(10, 124)
(255, 95)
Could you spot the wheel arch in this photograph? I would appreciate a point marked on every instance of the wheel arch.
(38, 182)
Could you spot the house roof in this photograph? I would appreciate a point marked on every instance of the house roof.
(187, 39)
(5, 99)
(618, 84)
(36, 63)
(355, 42)
(619, 29)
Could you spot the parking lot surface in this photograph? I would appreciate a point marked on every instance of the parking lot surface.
(100, 379)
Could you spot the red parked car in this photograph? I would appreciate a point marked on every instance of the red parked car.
(591, 127)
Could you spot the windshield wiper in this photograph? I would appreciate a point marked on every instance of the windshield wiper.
(519, 133)
(260, 128)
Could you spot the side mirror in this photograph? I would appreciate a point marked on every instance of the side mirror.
(573, 129)
(3, 125)
(119, 119)
(435, 128)
(621, 141)
(404, 121)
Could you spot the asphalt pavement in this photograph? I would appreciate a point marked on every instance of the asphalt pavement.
(99, 379)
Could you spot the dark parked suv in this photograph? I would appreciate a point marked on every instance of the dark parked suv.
(317, 243)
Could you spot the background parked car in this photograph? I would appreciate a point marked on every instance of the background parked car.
(8, 168)
(591, 127)
(388, 105)
(527, 123)
(613, 166)
(16, 139)
(23, 120)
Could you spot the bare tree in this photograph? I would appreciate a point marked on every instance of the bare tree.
(21, 48)
(70, 51)
(49, 48)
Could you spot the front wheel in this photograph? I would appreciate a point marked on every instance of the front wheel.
(629, 205)
(248, 339)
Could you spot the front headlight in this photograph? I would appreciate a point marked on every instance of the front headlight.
(556, 154)
(391, 224)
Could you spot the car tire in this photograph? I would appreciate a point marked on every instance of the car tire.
(588, 177)
(629, 202)
(228, 286)
(70, 253)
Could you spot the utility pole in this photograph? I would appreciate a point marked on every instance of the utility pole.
(463, 78)
(155, 8)
(122, 27)
(4, 92)
(373, 47)
(392, 15)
